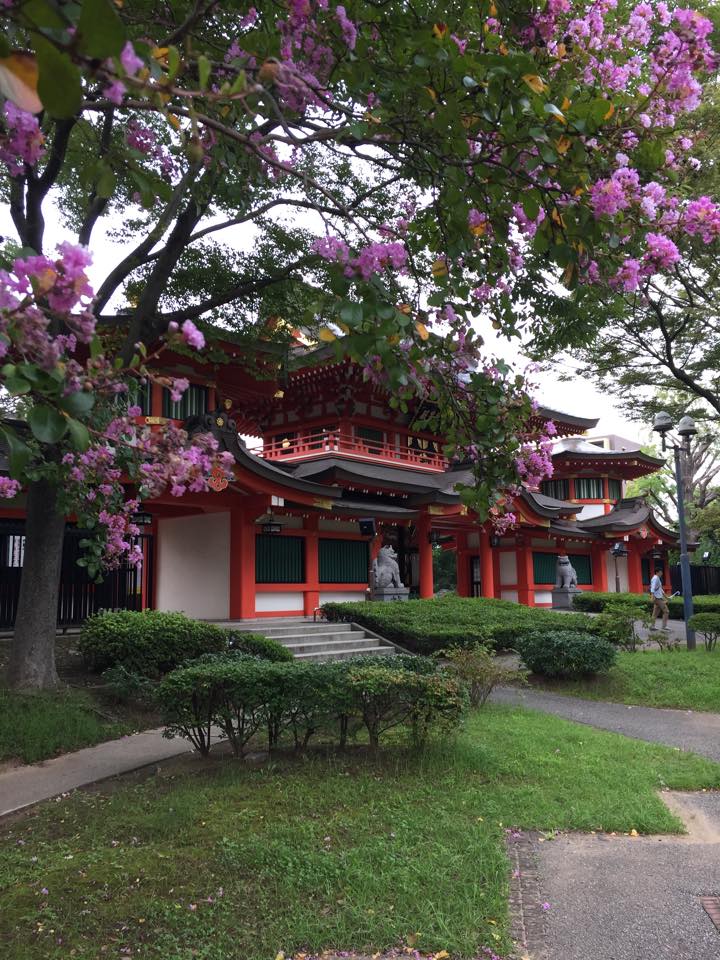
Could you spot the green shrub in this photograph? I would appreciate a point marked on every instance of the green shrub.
(566, 654)
(426, 626)
(243, 695)
(151, 643)
(708, 626)
(589, 601)
(127, 686)
(148, 643)
(256, 645)
(618, 621)
(476, 667)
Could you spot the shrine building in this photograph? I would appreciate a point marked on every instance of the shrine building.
(326, 472)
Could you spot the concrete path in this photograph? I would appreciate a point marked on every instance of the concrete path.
(634, 898)
(23, 786)
(699, 732)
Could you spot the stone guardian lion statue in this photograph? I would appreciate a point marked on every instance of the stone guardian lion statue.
(385, 570)
(565, 577)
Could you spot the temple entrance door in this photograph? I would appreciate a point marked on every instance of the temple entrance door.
(475, 577)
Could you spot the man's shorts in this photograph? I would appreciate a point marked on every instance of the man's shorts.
(660, 608)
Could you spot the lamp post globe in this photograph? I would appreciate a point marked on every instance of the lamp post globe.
(686, 428)
(662, 423)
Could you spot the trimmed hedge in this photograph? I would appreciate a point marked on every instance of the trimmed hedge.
(426, 626)
(244, 696)
(152, 642)
(566, 654)
(589, 601)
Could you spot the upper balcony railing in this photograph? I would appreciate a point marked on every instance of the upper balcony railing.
(311, 445)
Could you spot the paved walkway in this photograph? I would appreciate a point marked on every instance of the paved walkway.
(23, 786)
(634, 898)
(699, 732)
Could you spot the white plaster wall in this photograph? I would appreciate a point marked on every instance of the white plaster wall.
(591, 510)
(473, 541)
(543, 596)
(547, 544)
(267, 602)
(194, 565)
(622, 570)
(508, 567)
(509, 595)
(342, 596)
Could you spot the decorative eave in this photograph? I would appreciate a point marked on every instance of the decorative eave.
(627, 517)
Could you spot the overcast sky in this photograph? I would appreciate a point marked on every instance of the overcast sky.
(579, 397)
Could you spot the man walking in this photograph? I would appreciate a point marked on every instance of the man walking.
(659, 599)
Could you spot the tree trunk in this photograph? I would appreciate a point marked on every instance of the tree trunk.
(32, 655)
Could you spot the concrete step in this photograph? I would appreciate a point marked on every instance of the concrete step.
(311, 645)
(310, 640)
(343, 654)
(286, 629)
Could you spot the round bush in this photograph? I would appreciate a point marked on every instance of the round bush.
(566, 653)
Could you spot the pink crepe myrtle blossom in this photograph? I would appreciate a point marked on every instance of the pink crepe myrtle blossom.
(348, 28)
(702, 218)
(331, 248)
(23, 142)
(115, 92)
(130, 61)
(661, 253)
(9, 488)
(192, 336)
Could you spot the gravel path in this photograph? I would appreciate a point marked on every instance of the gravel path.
(686, 729)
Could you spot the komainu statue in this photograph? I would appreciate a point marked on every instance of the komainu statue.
(385, 570)
(565, 577)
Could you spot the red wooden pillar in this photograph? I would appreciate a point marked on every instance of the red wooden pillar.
(425, 557)
(525, 574)
(462, 561)
(156, 400)
(242, 565)
(312, 566)
(488, 578)
(635, 584)
(598, 554)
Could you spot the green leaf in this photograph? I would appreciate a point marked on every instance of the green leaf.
(96, 348)
(100, 31)
(79, 434)
(5, 48)
(173, 62)
(17, 386)
(204, 68)
(47, 425)
(19, 452)
(106, 182)
(78, 404)
(40, 13)
(59, 83)
(240, 83)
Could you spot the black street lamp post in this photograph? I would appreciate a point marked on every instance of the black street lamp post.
(686, 428)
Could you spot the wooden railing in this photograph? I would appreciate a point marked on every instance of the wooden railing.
(321, 444)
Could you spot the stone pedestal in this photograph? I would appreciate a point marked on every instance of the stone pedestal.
(562, 598)
(390, 593)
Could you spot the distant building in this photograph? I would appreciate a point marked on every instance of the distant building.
(336, 473)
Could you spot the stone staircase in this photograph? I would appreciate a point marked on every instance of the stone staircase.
(315, 641)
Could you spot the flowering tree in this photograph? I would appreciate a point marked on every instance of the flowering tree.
(430, 160)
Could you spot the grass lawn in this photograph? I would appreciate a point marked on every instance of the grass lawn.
(36, 726)
(688, 680)
(222, 861)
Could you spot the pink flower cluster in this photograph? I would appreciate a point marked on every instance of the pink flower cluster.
(371, 259)
(9, 488)
(22, 142)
